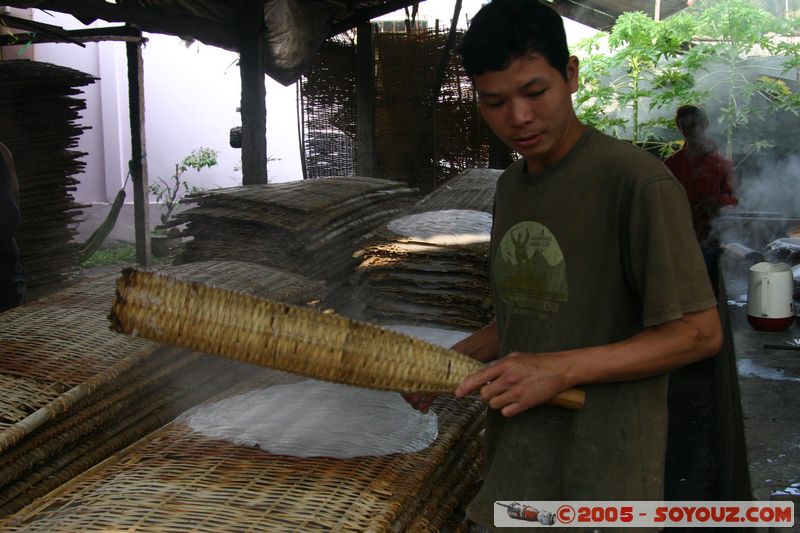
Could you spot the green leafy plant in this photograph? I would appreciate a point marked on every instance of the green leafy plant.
(634, 77)
(170, 191)
(733, 31)
(632, 71)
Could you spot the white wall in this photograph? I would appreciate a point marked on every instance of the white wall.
(191, 96)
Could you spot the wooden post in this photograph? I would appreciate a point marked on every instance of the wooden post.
(138, 163)
(254, 108)
(365, 100)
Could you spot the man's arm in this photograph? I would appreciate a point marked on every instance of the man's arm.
(523, 380)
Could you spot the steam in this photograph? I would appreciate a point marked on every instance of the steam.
(769, 194)
(774, 187)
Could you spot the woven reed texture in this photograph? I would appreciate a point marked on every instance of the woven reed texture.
(310, 227)
(405, 70)
(72, 392)
(283, 337)
(460, 468)
(62, 348)
(146, 412)
(39, 115)
(471, 189)
(89, 414)
(175, 481)
(59, 349)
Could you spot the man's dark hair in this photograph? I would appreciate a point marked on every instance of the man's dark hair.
(691, 110)
(504, 30)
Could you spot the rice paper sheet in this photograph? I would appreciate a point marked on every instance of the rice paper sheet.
(317, 419)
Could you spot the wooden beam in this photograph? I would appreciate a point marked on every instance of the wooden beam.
(365, 100)
(138, 163)
(254, 108)
(39, 27)
(148, 19)
(89, 35)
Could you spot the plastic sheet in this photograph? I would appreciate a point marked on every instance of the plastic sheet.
(317, 419)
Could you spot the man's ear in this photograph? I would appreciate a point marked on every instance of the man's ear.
(572, 73)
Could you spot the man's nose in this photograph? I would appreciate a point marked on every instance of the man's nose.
(521, 112)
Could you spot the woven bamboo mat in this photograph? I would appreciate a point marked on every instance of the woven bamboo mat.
(175, 480)
(61, 348)
(53, 345)
(310, 227)
(72, 392)
(107, 425)
(472, 189)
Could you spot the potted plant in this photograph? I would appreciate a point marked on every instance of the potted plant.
(170, 191)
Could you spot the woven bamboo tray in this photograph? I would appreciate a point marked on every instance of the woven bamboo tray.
(143, 413)
(175, 480)
(289, 338)
(415, 279)
(65, 378)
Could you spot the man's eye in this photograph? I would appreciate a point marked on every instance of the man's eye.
(535, 94)
(492, 103)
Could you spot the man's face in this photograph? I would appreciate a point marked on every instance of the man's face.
(692, 128)
(529, 106)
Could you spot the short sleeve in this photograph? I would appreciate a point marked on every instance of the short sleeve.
(665, 259)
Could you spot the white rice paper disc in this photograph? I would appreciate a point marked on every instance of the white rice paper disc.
(445, 338)
(445, 227)
(317, 419)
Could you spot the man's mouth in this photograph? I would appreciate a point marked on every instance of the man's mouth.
(526, 141)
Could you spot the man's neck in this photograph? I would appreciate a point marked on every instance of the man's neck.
(703, 145)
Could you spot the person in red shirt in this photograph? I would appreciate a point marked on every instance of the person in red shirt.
(708, 177)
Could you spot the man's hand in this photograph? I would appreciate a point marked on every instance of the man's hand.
(420, 402)
(516, 382)
(481, 345)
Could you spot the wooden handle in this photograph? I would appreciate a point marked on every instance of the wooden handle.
(569, 399)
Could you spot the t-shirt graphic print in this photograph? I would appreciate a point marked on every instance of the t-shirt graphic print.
(529, 270)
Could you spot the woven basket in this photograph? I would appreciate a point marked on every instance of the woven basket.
(289, 338)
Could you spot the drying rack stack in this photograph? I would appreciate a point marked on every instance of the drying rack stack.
(178, 480)
(411, 272)
(73, 392)
(309, 227)
(40, 110)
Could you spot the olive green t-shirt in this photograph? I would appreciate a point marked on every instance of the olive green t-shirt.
(586, 253)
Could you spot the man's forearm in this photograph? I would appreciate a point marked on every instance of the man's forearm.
(650, 352)
(523, 380)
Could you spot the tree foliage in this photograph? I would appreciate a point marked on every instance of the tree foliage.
(634, 77)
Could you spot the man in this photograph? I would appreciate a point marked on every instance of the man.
(708, 177)
(597, 282)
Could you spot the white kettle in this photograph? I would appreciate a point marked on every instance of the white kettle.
(770, 296)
